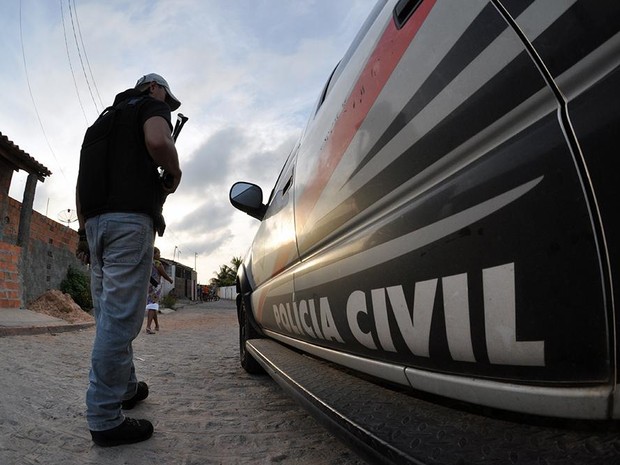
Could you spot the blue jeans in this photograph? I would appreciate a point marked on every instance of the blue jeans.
(121, 254)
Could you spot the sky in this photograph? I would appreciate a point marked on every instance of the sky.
(248, 73)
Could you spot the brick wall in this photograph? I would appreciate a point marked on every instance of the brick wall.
(10, 295)
(51, 250)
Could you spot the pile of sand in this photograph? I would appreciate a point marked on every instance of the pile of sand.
(55, 303)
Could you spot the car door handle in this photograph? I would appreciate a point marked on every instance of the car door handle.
(403, 10)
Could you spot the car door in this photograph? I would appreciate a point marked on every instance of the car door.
(441, 222)
(274, 249)
(580, 53)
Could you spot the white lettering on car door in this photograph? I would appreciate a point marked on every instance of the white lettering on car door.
(501, 321)
(456, 311)
(356, 305)
(415, 328)
(376, 329)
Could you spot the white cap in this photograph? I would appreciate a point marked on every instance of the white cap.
(171, 100)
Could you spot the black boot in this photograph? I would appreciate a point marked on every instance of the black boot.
(127, 432)
(141, 394)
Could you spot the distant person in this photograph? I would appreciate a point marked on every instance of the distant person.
(119, 202)
(154, 294)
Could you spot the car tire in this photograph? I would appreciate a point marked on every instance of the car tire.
(247, 331)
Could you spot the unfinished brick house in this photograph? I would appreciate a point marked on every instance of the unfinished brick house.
(35, 251)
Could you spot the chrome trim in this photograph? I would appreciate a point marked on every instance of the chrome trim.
(564, 402)
(592, 403)
(615, 413)
(386, 371)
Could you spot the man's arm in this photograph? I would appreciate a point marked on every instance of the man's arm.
(78, 207)
(82, 252)
(161, 147)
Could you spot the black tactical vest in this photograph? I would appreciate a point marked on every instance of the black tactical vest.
(116, 172)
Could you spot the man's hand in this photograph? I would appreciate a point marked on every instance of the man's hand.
(160, 146)
(170, 182)
(83, 252)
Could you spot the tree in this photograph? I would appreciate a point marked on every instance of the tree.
(236, 263)
(227, 274)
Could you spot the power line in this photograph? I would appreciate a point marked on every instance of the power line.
(64, 30)
(21, 39)
(86, 55)
(80, 55)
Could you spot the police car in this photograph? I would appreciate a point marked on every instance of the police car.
(440, 247)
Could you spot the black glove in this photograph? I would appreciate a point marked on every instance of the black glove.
(83, 252)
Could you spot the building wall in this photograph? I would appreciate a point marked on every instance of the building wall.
(227, 292)
(10, 283)
(42, 265)
(184, 278)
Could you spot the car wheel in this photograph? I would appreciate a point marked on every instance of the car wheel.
(246, 331)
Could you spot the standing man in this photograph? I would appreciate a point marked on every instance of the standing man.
(120, 198)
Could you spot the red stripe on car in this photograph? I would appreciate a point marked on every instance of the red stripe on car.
(380, 66)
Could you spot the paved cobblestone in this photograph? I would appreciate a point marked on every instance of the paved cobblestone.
(205, 408)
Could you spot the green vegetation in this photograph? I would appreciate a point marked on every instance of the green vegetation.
(77, 285)
(168, 301)
(227, 274)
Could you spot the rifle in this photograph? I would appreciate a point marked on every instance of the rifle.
(181, 120)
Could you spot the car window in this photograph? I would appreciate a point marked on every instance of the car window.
(284, 177)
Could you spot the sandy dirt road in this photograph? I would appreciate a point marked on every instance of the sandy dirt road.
(205, 408)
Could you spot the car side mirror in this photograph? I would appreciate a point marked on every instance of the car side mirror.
(248, 198)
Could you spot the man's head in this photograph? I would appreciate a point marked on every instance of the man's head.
(154, 83)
